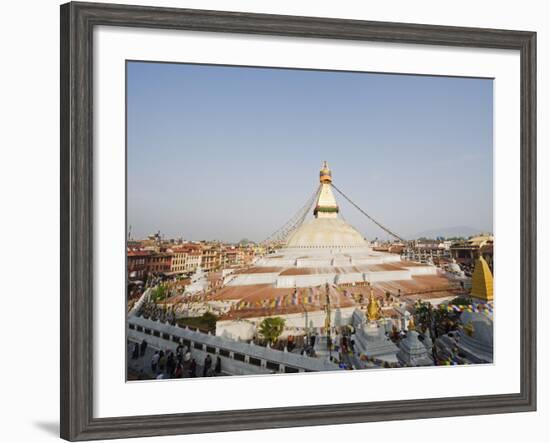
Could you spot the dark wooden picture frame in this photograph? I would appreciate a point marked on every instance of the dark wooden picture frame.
(77, 23)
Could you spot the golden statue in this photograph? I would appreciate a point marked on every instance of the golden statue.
(411, 326)
(469, 329)
(373, 308)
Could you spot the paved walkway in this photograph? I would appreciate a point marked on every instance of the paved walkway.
(142, 365)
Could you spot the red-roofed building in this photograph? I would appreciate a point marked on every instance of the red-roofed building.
(159, 263)
(137, 264)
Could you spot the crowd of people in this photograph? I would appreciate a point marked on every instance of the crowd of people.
(342, 342)
(180, 363)
(156, 311)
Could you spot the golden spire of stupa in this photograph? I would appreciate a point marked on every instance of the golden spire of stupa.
(325, 175)
(373, 308)
(326, 206)
(411, 326)
(482, 281)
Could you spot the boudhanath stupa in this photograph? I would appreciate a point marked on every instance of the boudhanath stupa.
(323, 261)
(326, 249)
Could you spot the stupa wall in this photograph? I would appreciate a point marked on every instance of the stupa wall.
(284, 262)
(304, 281)
(378, 276)
(253, 279)
(295, 323)
(313, 262)
(375, 260)
(422, 270)
(352, 277)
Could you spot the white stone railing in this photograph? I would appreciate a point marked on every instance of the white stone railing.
(234, 354)
(137, 305)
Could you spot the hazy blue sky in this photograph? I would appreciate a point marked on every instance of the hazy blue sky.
(228, 152)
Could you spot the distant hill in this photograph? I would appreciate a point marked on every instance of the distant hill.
(455, 231)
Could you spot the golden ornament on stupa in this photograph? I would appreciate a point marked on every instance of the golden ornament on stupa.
(373, 308)
(325, 176)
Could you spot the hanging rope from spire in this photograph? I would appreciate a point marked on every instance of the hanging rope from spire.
(393, 234)
(295, 222)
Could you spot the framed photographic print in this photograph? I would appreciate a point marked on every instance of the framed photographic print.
(292, 221)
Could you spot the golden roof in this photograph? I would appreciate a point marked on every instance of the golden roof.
(482, 281)
(480, 240)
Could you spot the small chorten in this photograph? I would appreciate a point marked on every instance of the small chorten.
(412, 350)
(471, 343)
(482, 281)
(427, 340)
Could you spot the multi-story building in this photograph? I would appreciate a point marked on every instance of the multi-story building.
(160, 257)
(179, 258)
(193, 260)
(232, 257)
(211, 258)
(137, 264)
(467, 251)
(160, 262)
(249, 254)
(185, 259)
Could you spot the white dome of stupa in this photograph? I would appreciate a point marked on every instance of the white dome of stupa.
(325, 233)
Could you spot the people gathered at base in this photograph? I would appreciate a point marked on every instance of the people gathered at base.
(165, 364)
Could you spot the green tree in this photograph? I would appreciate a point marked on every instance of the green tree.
(461, 301)
(438, 321)
(159, 293)
(209, 320)
(423, 315)
(271, 328)
(444, 321)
